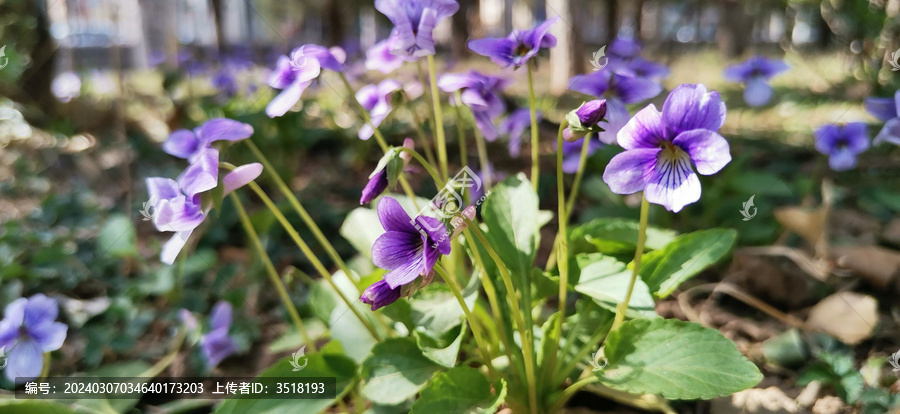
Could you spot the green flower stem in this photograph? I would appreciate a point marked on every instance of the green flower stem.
(525, 331)
(562, 254)
(535, 154)
(461, 138)
(570, 391)
(438, 117)
(270, 269)
(482, 148)
(642, 237)
(582, 352)
(473, 322)
(427, 165)
(311, 256)
(576, 185)
(426, 90)
(167, 360)
(45, 367)
(295, 203)
(422, 137)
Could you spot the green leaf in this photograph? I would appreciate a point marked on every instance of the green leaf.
(461, 390)
(361, 228)
(676, 359)
(396, 371)
(614, 235)
(606, 281)
(442, 349)
(511, 216)
(329, 361)
(689, 254)
(437, 310)
(117, 237)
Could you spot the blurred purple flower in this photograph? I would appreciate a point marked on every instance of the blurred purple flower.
(177, 203)
(572, 153)
(660, 148)
(514, 125)
(624, 48)
(188, 144)
(476, 192)
(217, 344)
(481, 94)
(842, 144)
(754, 73)
(376, 99)
(225, 82)
(29, 329)
(517, 48)
(887, 110)
(295, 73)
(414, 22)
(380, 58)
(408, 248)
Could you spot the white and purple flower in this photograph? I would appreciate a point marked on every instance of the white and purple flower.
(842, 144)
(414, 22)
(376, 99)
(188, 144)
(755, 73)
(295, 73)
(661, 148)
(28, 330)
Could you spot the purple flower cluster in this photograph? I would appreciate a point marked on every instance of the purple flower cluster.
(517, 48)
(177, 204)
(661, 148)
(414, 22)
(295, 73)
(28, 330)
(409, 249)
(755, 73)
(481, 93)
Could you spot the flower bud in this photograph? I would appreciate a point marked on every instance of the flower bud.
(585, 119)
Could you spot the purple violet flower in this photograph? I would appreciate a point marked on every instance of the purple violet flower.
(513, 126)
(887, 110)
(217, 344)
(189, 144)
(624, 48)
(295, 73)
(29, 329)
(380, 58)
(380, 294)
(572, 153)
(377, 100)
(408, 248)
(620, 87)
(481, 94)
(754, 73)
(660, 148)
(387, 172)
(517, 48)
(177, 203)
(414, 22)
(842, 144)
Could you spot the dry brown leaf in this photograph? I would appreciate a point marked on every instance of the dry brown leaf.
(848, 316)
(756, 401)
(808, 223)
(879, 266)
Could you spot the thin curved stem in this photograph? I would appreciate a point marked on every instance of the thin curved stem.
(622, 308)
(562, 252)
(525, 331)
(535, 153)
(473, 322)
(270, 270)
(438, 117)
(311, 256)
(570, 391)
(570, 204)
(425, 164)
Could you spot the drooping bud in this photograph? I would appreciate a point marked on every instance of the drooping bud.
(387, 172)
(584, 120)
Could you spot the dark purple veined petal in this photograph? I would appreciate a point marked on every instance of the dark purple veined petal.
(172, 247)
(380, 294)
(182, 144)
(692, 107)
(632, 89)
(241, 176)
(394, 249)
(407, 272)
(595, 83)
(627, 172)
(708, 150)
(437, 234)
(645, 130)
(216, 346)
(40, 309)
(24, 361)
(672, 183)
(393, 217)
(217, 129)
(220, 316)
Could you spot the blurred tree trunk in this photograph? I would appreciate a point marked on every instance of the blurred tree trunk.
(612, 19)
(462, 25)
(336, 14)
(733, 31)
(37, 78)
(560, 56)
(578, 53)
(638, 18)
(218, 17)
